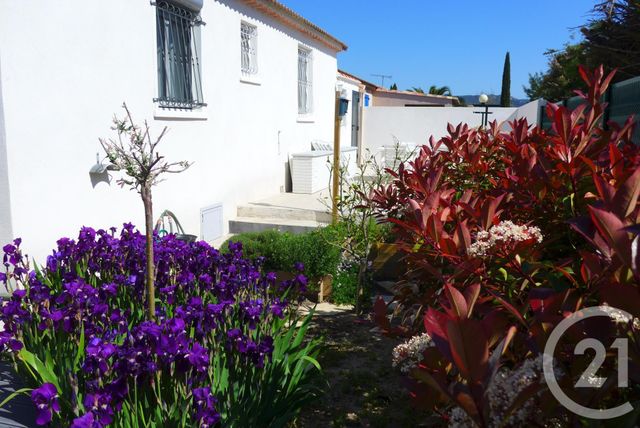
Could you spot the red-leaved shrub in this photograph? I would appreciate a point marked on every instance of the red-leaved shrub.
(505, 234)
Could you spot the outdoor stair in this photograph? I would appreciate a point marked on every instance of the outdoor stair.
(257, 217)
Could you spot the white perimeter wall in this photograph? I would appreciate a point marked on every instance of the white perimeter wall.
(6, 233)
(417, 124)
(66, 68)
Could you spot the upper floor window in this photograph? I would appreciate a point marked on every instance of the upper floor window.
(249, 49)
(178, 44)
(305, 81)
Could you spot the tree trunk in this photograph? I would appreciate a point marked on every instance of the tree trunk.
(150, 275)
(362, 282)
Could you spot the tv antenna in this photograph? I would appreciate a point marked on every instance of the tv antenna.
(382, 77)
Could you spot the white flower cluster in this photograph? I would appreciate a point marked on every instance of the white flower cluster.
(407, 355)
(504, 388)
(505, 232)
(620, 317)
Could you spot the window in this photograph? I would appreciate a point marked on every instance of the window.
(249, 49)
(305, 81)
(178, 43)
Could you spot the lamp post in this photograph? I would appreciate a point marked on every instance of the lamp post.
(484, 115)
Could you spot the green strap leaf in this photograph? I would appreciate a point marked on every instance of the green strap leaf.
(14, 395)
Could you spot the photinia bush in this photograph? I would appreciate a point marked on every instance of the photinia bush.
(226, 345)
(506, 233)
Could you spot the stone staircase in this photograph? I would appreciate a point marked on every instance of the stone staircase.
(256, 217)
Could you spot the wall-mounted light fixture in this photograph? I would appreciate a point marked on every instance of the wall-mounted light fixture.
(344, 102)
(101, 168)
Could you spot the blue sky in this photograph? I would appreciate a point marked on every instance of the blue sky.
(458, 43)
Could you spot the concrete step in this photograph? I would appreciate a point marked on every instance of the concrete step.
(257, 210)
(251, 224)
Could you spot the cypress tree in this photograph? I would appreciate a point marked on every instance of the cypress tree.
(505, 94)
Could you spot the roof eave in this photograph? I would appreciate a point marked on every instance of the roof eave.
(291, 19)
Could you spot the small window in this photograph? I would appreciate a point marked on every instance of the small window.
(249, 49)
(305, 81)
(178, 44)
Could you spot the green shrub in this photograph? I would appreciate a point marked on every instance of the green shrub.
(256, 244)
(281, 250)
(345, 286)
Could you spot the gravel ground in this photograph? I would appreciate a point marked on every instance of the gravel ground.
(363, 389)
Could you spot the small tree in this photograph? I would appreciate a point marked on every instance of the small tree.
(358, 216)
(134, 153)
(393, 87)
(505, 94)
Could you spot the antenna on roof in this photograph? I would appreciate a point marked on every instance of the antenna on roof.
(382, 77)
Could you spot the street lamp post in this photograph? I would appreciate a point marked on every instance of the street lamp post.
(484, 115)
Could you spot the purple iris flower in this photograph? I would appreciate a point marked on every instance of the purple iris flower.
(7, 340)
(204, 403)
(99, 404)
(85, 421)
(198, 357)
(45, 398)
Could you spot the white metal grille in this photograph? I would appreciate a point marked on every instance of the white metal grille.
(249, 49)
(305, 81)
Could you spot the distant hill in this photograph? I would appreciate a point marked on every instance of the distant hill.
(493, 100)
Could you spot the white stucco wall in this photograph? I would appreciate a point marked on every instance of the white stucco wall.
(66, 73)
(6, 232)
(529, 111)
(417, 124)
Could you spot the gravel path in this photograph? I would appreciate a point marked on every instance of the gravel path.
(363, 389)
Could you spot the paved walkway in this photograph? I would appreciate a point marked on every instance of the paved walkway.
(311, 202)
(20, 411)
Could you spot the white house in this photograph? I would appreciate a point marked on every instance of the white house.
(241, 85)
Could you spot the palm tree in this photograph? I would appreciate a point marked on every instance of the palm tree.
(416, 89)
(440, 90)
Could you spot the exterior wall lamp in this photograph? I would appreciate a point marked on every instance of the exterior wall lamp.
(101, 168)
(344, 103)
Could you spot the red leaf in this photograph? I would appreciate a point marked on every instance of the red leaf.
(585, 227)
(469, 347)
(508, 306)
(489, 211)
(435, 323)
(612, 230)
(617, 164)
(494, 360)
(585, 74)
(626, 197)
(457, 300)
(471, 294)
(380, 314)
(605, 190)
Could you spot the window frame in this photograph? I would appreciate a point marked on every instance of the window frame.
(305, 82)
(178, 46)
(249, 67)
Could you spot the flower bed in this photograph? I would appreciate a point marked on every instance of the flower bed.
(505, 235)
(226, 346)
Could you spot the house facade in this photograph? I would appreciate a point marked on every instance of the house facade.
(241, 84)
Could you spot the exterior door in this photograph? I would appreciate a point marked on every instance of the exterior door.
(355, 117)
